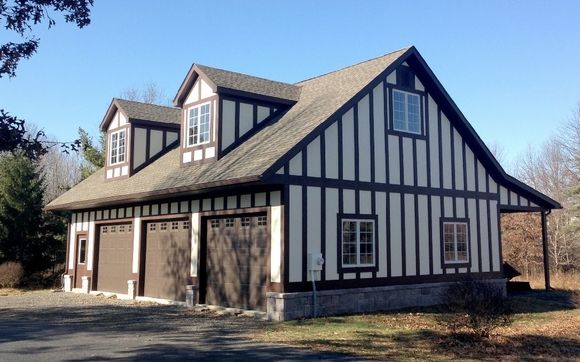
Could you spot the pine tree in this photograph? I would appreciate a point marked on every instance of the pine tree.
(93, 155)
(21, 219)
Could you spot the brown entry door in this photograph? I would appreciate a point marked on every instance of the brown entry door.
(167, 259)
(81, 260)
(238, 251)
(115, 245)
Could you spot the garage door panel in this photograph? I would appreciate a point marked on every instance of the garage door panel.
(237, 262)
(115, 258)
(167, 259)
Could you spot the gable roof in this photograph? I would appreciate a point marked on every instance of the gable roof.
(228, 82)
(321, 99)
(134, 110)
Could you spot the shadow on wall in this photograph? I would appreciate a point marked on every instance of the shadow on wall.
(237, 265)
(176, 267)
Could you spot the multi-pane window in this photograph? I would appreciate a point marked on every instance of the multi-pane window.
(122, 228)
(215, 223)
(198, 125)
(104, 229)
(230, 223)
(163, 226)
(117, 147)
(245, 221)
(129, 228)
(113, 229)
(406, 112)
(262, 220)
(175, 225)
(455, 242)
(152, 226)
(358, 243)
(186, 225)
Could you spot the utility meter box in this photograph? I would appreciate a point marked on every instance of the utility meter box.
(315, 262)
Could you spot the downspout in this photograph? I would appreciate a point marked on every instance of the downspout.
(545, 248)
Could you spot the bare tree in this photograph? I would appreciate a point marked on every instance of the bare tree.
(149, 93)
(498, 151)
(61, 171)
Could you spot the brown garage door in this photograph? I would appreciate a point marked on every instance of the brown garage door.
(167, 259)
(237, 262)
(115, 257)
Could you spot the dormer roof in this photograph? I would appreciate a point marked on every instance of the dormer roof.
(139, 111)
(228, 82)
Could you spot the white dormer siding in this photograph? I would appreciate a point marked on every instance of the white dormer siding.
(360, 165)
(200, 106)
(239, 118)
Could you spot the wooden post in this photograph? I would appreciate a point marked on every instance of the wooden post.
(546, 253)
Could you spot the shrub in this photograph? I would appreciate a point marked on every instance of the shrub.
(475, 308)
(11, 274)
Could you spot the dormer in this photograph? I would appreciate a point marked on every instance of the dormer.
(137, 134)
(221, 109)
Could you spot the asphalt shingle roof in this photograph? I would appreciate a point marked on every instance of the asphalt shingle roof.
(247, 83)
(319, 98)
(149, 112)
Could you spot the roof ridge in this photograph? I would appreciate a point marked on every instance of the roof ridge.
(353, 65)
(246, 75)
(144, 103)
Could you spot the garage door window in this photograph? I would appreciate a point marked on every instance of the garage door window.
(245, 222)
(175, 225)
(262, 220)
(215, 224)
(113, 229)
(230, 223)
(185, 225)
(105, 229)
(152, 227)
(122, 228)
(163, 226)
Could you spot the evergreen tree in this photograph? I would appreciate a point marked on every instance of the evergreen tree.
(21, 219)
(93, 155)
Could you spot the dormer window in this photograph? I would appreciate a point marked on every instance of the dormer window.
(117, 147)
(198, 125)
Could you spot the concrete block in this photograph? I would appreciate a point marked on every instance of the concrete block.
(86, 284)
(67, 283)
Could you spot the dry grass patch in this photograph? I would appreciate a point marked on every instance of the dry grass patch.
(546, 326)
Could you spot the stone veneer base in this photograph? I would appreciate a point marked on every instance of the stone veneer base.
(289, 306)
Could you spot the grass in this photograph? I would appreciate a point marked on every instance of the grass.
(546, 327)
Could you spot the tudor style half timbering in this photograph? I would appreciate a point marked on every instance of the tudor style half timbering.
(371, 167)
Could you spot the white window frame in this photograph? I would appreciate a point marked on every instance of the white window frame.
(188, 127)
(455, 249)
(118, 148)
(406, 129)
(374, 244)
(79, 251)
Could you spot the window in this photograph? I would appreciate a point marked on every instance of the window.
(358, 243)
(245, 221)
(174, 225)
(82, 251)
(117, 147)
(129, 228)
(230, 223)
(186, 225)
(122, 228)
(455, 242)
(406, 112)
(198, 125)
(113, 229)
(262, 220)
(152, 226)
(104, 229)
(163, 226)
(215, 223)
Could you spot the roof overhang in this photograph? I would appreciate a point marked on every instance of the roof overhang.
(157, 195)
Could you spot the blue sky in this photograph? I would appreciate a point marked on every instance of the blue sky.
(511, 66)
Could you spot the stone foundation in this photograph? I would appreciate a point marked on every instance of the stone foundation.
(288, 306)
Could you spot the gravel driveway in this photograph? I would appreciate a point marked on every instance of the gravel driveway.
(46, 325)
